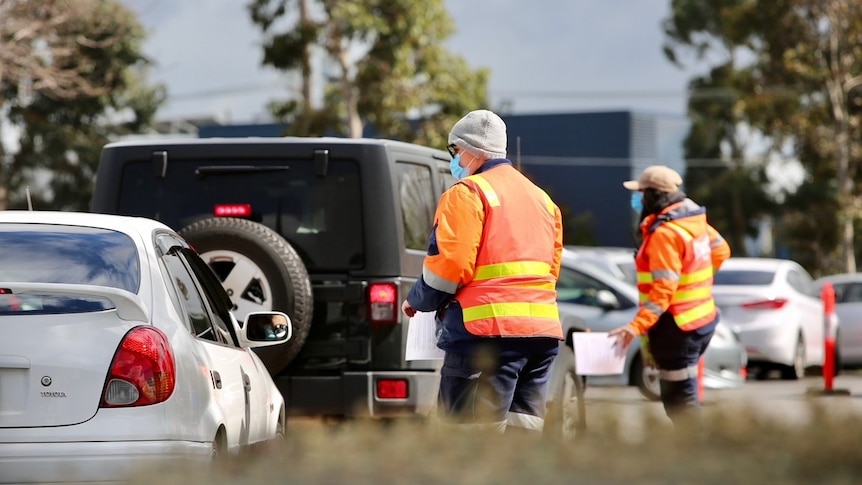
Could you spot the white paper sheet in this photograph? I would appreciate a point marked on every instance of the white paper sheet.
(596, 354)
(422, 338)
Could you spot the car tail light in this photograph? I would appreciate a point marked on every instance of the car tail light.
(383, 303)
(392, 389)
(775, 304)
(142, 371)
(232, 210)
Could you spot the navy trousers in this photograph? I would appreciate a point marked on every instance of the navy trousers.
(676, 353)
(498, 384)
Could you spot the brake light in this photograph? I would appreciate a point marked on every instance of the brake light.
(392, 389)
(142, 372)
(775, 304)
(232, 210)
(383, 303)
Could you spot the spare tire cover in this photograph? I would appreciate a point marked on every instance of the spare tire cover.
(261, 271)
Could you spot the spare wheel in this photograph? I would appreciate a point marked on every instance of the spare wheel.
(261, 271)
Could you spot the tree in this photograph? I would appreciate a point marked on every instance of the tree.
(71, 77)
(794, 68)
(390, 68)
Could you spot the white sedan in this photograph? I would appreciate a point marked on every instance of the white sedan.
(775, 308)
(119, 350)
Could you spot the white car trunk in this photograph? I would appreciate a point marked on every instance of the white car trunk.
(52, 372)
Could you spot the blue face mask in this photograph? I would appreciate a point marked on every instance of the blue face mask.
(455, 167)
(638, 201)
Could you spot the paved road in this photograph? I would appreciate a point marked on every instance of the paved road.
(789, 401)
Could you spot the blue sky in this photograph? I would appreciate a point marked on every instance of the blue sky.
(567, 55)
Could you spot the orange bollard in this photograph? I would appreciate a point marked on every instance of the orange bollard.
(700, 367)
(830, 328)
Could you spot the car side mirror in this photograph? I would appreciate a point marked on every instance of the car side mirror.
(606, 300)
(262, 329)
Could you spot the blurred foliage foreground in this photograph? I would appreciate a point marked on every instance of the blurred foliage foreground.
(737, 446)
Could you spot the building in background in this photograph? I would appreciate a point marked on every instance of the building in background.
(580, 159)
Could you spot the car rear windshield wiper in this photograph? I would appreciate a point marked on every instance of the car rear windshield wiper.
(235, 169)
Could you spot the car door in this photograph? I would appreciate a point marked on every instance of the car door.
(848, 307)
(811, 308)
(225, 363)
(254, 374)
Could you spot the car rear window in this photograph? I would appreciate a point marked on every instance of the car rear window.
(37, 253)
(744, 277)
(320, 215)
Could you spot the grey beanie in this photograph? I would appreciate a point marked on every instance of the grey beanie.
(481, 132)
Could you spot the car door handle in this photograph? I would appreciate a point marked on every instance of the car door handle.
(246, 382)
(216, 379)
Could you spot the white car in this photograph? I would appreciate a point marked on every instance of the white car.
(774, 307)
(119, 350)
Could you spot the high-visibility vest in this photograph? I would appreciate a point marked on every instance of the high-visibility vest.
(692, 305)
(513, 292)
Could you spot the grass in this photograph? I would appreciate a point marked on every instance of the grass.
(736, 446)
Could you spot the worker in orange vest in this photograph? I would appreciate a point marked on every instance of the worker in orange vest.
(490, 275)
(677, 258)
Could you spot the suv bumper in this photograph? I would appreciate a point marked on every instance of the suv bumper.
(353, 394)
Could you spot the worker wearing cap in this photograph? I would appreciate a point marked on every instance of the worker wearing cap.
(490, 274)
(677, 258)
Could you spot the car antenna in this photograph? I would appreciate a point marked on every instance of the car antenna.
(29, 202)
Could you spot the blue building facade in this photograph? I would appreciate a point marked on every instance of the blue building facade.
(580, 159)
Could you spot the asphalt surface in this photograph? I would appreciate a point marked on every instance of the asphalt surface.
(792, 402)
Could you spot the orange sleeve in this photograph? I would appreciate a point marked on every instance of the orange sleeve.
(458, 225)
(720, 248)
(665, 264)
(558, 243)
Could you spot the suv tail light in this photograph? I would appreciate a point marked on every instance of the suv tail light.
(142, 371)
(383, 303)
(392, 389)
(232, 210)
(775, 304)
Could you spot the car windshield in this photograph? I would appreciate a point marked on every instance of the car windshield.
(43, 253)
(744, 277)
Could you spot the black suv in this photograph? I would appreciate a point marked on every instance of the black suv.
(331, 231)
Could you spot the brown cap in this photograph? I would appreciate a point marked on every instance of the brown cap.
(657, 177)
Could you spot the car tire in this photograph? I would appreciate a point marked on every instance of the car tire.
(275, 277)
(796, 370)
(566, 414)
(646, 379)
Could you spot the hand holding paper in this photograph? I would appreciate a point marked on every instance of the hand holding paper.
(597, 354)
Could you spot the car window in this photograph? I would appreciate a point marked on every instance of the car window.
(191, 302)
(418, 203)
(214, 292)
(576, 287)
(848, 293)
(743, 277)
(800, 281)
(447, 179)
(321, 216)
(34, 253)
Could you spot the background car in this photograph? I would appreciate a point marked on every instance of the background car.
(119, 350)
(590, 298)
(848, 309)
(775, 308)
(618, 261)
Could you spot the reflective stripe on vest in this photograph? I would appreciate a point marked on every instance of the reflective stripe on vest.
(510, 294)
(692, 305)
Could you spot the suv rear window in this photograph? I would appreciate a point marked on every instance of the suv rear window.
(65, 254)
(321, 216)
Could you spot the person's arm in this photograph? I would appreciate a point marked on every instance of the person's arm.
(663, 250)
(720, 248)
(451, 259)
(558, 243)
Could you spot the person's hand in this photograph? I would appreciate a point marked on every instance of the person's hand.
(407, 309)
(623, 337)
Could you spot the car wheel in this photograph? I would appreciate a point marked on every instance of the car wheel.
(566, 414)
(796, 370)
(261, 271)
(646, 379)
